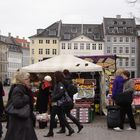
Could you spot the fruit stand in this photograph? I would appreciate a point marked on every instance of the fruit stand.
(136, 100)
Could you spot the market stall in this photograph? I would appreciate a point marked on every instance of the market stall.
(85, 74)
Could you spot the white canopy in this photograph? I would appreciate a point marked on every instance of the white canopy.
(61, 62)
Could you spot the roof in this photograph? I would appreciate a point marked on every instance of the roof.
(119, 26)
(70, 31)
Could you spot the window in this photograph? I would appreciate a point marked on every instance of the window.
(47, 41)
(120, 62)
(54, 41)
(47, 51)
(121, 39)
(133, 62)
(93, 46)
(69, 46)
(133, 39)
(40, 41)
(73, 29)
(63, 46)
(33, 51)
(88, 46)
(115, 39)
(81, 46)
(127, 39)
(108, 50)
(120, 49)
(33, 42)
(75, 46)
(40, 51)
(132, 74)
(114, 50)
(120, 29)
(126, 49)
(133, 50)
(130, 30)
(126, 62)
(54, 51)
(108, 39)
(100, 46)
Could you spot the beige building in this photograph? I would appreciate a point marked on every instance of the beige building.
(3, 60)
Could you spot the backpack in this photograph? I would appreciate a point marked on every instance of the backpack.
(72, 89)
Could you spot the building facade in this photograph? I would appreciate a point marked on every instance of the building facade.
(3, 59)
(120, 37)
(25, 46)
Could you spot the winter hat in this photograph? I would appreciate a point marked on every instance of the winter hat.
(48, 78)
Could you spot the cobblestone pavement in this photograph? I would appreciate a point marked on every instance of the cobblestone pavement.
(97, 130)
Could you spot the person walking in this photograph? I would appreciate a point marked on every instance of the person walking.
(57, 94)
(117, 84)
(126, 108)
(43, 98)
(21, 128)
(67, 109)
(1, 107)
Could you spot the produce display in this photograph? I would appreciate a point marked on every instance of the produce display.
(136, 100)
(85, 87)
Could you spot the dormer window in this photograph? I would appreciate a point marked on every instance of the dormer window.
(74, 30)
(89, 30)
(52, 32)
(115, 22)
(124, 22)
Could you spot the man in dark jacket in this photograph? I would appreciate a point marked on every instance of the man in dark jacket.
(1, 106)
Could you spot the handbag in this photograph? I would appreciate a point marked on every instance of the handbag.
(124, 98)
(65, 101)
(23, 112)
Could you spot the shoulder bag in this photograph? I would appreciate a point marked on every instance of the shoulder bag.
(23, 112)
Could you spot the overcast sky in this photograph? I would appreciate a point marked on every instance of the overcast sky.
(22, 17)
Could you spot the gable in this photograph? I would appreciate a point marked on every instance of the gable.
(82, 38)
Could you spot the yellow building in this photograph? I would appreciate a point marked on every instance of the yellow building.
(45, 43)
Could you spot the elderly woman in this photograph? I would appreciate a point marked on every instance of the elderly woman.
(21, 128)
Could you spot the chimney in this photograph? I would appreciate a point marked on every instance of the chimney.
(17, 37)
(118, 16)
(9, 34)
(23, 38)
(39, 31)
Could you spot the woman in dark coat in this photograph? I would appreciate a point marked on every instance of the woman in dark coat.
(57, 94)
(21, 128)
(67, 109)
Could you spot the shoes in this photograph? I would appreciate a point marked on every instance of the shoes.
(50, 134)
(80, 128)
(61, 131)
(70, 132)
(117, 129)
(130, 129)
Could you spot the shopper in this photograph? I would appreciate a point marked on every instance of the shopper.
(126, 109)
(43, 98)
(117, 84)
(67, 109)
(21, 128)
(1, 107)
(58, 93)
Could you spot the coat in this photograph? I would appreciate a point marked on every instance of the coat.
(18, 128)
(43, 97)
